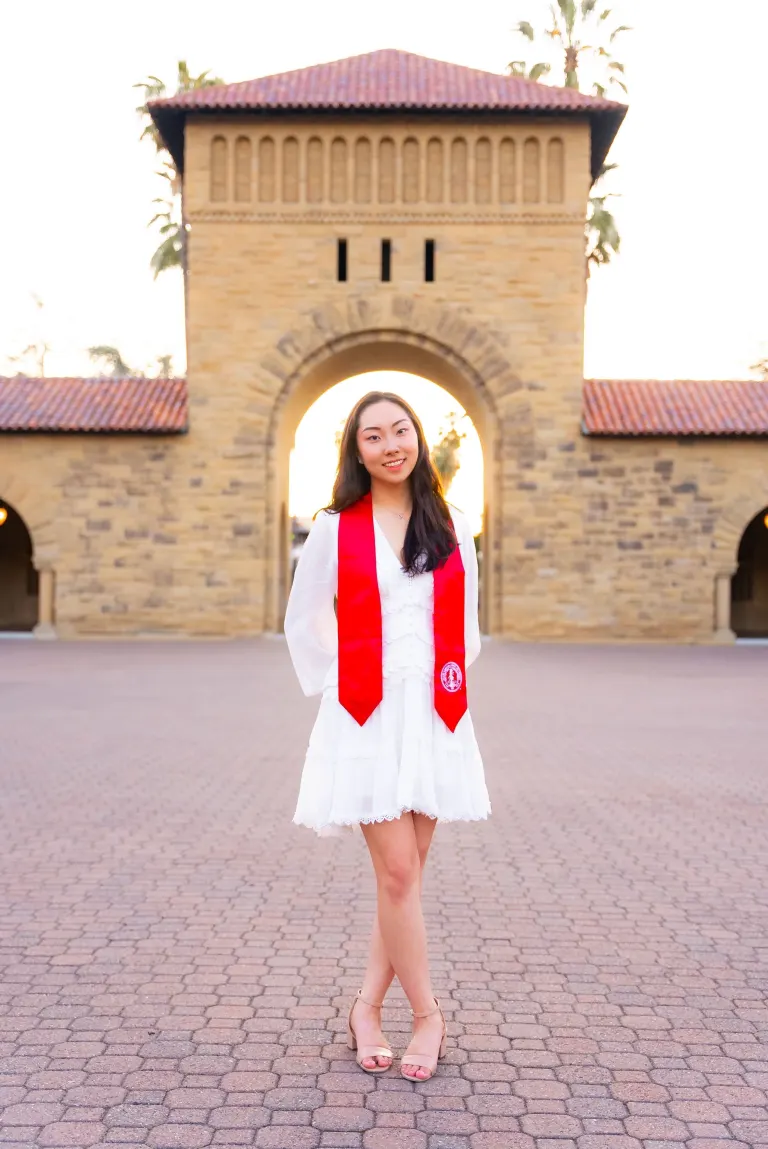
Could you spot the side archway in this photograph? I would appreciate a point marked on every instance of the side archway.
(728, 539)
(36, 539)
(19, 580)
(749, 583)
(430, 341)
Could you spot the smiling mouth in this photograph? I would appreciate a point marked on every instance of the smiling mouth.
(394, 464)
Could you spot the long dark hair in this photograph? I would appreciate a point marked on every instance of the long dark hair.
(430, 538)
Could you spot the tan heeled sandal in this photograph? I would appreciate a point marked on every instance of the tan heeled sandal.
(366, 1051)
(421, 1059)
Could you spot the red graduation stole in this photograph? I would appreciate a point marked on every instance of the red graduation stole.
(361, 682)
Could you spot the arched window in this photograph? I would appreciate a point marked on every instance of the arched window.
(315, 173)
(266, 170)
(531, 171)
(339, 192)
(435, 172)
(555, 172)
(243, 161)
(219, 181)
(411, 179)
(507, 172)
(483, 171)
(387, 171)
(291, 170)
(459, 171)
(363, 170)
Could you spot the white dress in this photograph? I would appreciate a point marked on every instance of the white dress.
(404, 757)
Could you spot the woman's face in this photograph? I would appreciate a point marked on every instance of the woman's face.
(387, 442)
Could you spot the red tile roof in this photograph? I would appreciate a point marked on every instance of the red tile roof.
(101, 404)
(389, 80)
(667, 407)
(623, 407)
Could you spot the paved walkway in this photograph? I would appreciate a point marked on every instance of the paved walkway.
(175, 956)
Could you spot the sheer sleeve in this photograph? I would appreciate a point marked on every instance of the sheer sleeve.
(466, 539)
(310, 620)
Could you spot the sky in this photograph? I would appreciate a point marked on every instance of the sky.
(688, 296)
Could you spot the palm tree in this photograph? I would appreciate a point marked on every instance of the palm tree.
(445, 453)
(582, 30)
(111, 358)
(172, 251)
(761, 367)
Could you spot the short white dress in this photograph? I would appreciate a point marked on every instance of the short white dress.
(404, 757)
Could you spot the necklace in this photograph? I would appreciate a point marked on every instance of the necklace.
(400, 514)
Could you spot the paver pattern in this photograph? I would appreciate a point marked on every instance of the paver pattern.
(176, 958)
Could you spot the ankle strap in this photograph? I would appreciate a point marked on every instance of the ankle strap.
(373, 1004)
(429, 1011)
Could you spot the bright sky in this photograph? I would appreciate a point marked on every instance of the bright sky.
(688, 297)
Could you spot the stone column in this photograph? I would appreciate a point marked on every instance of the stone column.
(45, 628)
(723, 632)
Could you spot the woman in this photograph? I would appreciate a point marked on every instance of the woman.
(382, 620)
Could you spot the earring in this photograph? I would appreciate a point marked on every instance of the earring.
(359, 459)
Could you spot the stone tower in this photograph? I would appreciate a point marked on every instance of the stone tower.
(382, 212)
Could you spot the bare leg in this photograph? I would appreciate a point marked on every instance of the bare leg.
(397, 863)
(380, 971)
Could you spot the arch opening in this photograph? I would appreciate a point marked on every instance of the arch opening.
(19, 582)
(749, 584)
(357, 363)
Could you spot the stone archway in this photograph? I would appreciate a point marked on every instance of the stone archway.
(749, 584)
(18, 578)
(435, 341)
(41, 551)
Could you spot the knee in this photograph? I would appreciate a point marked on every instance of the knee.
(399, 876)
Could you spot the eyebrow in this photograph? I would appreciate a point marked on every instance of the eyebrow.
(404, 420)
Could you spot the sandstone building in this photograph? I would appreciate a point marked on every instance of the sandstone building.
(385, 212)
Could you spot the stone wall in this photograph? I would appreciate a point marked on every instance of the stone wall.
(587, 538)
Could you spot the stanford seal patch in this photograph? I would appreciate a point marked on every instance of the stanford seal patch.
(451, 677)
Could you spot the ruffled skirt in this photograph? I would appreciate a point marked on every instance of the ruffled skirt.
(403, 758)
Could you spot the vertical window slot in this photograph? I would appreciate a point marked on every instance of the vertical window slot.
(429, 260)
(341, 260)
(386, 260)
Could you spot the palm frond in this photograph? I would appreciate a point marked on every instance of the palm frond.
(525, 29)
(518, 68)
(587, 7)
(568, 10)
(539, 70)
(615, 32)
(168, 255)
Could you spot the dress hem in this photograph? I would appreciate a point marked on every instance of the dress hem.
(393, 818)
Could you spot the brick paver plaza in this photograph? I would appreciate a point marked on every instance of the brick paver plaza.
(176, 958)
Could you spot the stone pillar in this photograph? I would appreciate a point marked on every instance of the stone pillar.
(723, 632)
(45, 628)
